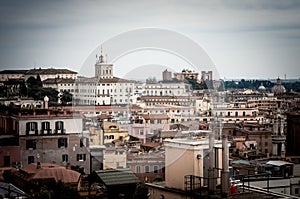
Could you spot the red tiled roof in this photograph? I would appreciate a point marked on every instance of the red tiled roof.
(155, 116)
(104, 116)
(151, 144)
(51, 171)
(99, 108)
(50, 71)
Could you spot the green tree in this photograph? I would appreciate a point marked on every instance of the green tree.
(37, 92)
(49, 92)
(34, 87)
(66, 97)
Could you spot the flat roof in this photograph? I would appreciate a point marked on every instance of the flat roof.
(278, 163)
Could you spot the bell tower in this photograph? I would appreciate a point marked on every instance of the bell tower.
(103, 70)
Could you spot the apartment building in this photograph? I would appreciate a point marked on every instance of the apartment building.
(49, 136)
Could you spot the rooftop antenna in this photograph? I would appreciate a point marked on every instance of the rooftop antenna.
(101, 56)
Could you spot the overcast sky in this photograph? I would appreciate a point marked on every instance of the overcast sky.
(244, 39)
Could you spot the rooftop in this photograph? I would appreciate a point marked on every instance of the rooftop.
(51, 171)
(47, 71)
(117, 177)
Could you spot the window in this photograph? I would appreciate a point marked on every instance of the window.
(6, 161)
(155, 169)
(30, 144)
(31, 128)
(65, 158)
(111, 137)
(62, 142)
(81, 142)
(59, 127)
(81, 157)
(266, 143)
(147, 169)
(236, 114)
(45, 127)
(296, 190)
(138, 169)
(30, 159)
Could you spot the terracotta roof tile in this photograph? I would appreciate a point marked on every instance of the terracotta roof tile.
(51, 171)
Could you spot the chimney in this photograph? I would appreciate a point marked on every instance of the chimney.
(211, 174)
(225, 167)
(46, 102)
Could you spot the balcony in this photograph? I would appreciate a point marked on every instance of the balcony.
(46, 131)
(59, 131)
(31, 132)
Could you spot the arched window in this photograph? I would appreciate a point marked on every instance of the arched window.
(31, 128)
(111, 137)
(59, 127)
(45, 128)
(138, 169)
(147, 170)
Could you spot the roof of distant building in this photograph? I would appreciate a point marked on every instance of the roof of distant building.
(13, 71)
(103, 80)
(117, 177)
(41, 71)
(115, 80)
(155, 116)
(58, 80)
(151, 144)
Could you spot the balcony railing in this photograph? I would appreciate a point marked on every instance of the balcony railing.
(31, 132)
(46, 131)
(59, 131)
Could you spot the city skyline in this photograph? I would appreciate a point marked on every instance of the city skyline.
(252, 39)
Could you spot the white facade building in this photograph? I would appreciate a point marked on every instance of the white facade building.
(176, 88)
(104, 88)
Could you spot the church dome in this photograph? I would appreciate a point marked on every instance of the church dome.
(278, 88)
(261, 87)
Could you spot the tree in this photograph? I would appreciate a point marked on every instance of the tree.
(49, 92)
(34, 88)
(66, 97)
(54, 190)
(37, 92)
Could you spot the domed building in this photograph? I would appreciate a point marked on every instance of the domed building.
(278, 88)
(262, 88)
